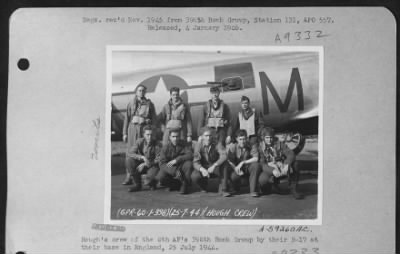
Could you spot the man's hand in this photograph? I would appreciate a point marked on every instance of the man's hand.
(228, 140)
(141, 167)
(145, 160)
(171, 163)
(211, 169)
(276, 170)
(231, 164)
(125, 138)
(204, 172)
(238, 169)
(189, 139)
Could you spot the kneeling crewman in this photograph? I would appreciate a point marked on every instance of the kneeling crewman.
(276, 160)
(243, 159)
(209, 161)
(142, 158)
(175, 163)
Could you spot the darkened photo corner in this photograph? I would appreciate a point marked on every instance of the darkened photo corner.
(213, 133)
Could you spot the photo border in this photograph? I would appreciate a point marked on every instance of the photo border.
(211, 48)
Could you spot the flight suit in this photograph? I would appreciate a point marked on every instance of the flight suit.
(236, 155)
(139, 112)
(180, 172)
(251, 121)
(206, 156)
(176, 116)
(149, 150)
(270, 155)
(216, 115)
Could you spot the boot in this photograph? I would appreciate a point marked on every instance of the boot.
(203, 184)
(174, 185)
(152, 185)
(276, 189)
(137, 180)
(184, 188)
(254, 194)
(128, 180)
(135, 188)
(222, 188)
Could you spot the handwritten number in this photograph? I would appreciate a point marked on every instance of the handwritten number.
(303, 251)
(293, 251)
(308, 35)
(287, 36)
(319, 33)
(298, 37)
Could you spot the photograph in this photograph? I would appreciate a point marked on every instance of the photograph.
(201, 129)
(226, 134)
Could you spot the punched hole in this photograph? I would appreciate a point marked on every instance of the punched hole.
(23, 65)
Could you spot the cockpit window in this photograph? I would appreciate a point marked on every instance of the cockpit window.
(235, 76)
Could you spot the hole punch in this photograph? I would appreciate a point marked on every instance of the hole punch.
(20, 252)
(23, 64)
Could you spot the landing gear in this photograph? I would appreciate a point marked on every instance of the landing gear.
(295, 141)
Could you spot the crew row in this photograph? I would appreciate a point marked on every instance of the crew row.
(176, 115)
(177, 165)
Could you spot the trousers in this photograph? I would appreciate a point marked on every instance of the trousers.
(222, 172)
(169, 175)
(252, 171)
(131, 166)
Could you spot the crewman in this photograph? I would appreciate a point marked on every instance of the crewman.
(243, 158)
(139, 112)
(209, 161)
(277, 160)
(216, 115)
(175, 163)
(249, 119)
(176, 115)
(143, 158)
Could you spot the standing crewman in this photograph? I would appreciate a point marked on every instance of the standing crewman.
(143, 158)
(243, 158)
(216, 115)
(175, 163)
(249, 119)
(176, 115)
(209, 161)
(139, 112)
(277, 160)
